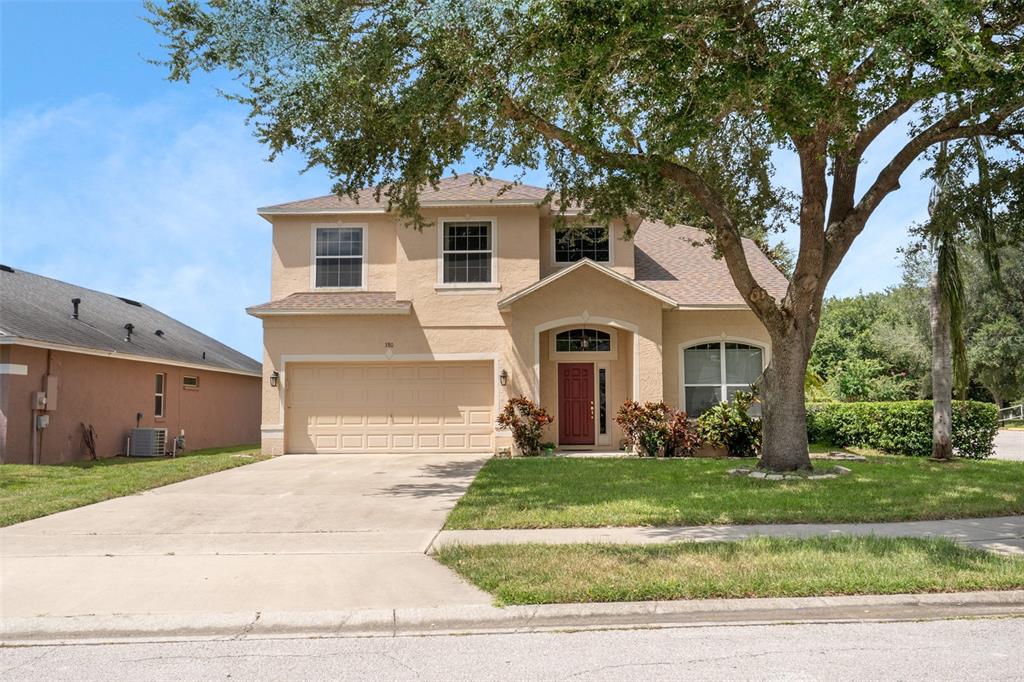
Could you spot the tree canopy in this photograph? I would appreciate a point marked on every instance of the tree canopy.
(675, 110)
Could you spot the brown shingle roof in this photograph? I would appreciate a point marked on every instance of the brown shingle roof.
(668, 261)
(468, 188)
(317, 302)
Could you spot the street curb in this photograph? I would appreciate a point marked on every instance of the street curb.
(482, 619)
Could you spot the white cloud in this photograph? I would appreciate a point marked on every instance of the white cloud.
(155, 202)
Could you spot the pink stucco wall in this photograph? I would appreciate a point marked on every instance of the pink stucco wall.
(107, 393)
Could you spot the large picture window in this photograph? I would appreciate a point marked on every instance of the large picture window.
(578, 243)
(467, 251)
(339, 257)
(717, 369)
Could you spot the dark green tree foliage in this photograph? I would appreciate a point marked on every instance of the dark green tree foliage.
(670, 109)
(995, 326)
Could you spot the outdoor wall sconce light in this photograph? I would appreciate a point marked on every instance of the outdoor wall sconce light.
(274, 376)
(503, 377)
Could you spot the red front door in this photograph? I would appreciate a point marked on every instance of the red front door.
(575, 403)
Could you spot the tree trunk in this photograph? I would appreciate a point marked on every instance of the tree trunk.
(942, 375)
(784, 440)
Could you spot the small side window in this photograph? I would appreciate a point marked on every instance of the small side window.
(190, 382)
(158, 402)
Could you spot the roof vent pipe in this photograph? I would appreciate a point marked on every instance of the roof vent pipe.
(74, 305)
(129, 328)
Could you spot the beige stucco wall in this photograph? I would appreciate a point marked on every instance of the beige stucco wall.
(452, 324)
(292, 253)
(107, 393)
(685, 327)
(462, 325)
(405, 260)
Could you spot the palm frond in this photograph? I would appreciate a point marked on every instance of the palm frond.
(983, 218)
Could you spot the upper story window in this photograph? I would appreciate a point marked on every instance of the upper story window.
(339, 257)
(578, 243)
(583, 340)
(713, 372)
(467, 252)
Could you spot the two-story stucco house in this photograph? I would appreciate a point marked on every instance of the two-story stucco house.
(380, 337)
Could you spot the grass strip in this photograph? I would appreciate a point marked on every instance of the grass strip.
(571, 493)
(28, 491)
(756, 567)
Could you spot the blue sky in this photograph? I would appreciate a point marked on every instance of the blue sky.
(115, 179)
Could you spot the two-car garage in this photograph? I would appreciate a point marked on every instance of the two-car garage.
(392, 406)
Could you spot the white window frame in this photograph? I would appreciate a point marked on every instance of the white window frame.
(564, 264)
(721, 340)
(313, 257)
(188, 387)
(583, 356)
(495, 282)
(162, 394)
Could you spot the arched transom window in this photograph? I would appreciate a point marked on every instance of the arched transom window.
(717, 369)
(582, 340)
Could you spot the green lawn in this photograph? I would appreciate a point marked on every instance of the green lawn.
(1013, 425)
(758, 567)
(28, 491)
(569, 492)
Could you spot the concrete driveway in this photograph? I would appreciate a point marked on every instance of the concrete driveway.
(295, 533)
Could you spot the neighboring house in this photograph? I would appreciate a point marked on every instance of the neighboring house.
(112, 363)
(380, 337)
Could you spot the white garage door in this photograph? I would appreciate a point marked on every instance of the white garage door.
(390, 407)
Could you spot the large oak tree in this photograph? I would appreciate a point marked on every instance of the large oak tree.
(674, 110)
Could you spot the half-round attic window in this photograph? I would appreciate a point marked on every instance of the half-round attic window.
(582, 340)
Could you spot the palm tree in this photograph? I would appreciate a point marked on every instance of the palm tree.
(951, 221)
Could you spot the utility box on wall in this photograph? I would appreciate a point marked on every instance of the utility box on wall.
(38, 400)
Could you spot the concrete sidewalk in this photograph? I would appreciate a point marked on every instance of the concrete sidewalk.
(999, 534)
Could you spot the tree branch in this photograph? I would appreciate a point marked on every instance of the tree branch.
(840, 234)
(811, 150)
(727, 235)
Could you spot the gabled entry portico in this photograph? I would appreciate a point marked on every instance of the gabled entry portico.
(594, 337)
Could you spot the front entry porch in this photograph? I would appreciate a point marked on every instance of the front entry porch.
(586, 372)
(594, 336)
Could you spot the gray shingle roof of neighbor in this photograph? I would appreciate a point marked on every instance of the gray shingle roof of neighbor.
(37, 308)
(457, 189)
(676, 262)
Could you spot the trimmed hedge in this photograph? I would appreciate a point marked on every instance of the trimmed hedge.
(904, 427)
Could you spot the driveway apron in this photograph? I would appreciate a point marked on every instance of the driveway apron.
(294, 533)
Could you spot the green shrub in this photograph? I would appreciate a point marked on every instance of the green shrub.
(656, 430)
(902, 428)
(526, 420)
(730, 425)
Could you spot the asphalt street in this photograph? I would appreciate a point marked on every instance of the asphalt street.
(937, 650)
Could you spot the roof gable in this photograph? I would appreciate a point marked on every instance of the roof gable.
(506, 303)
